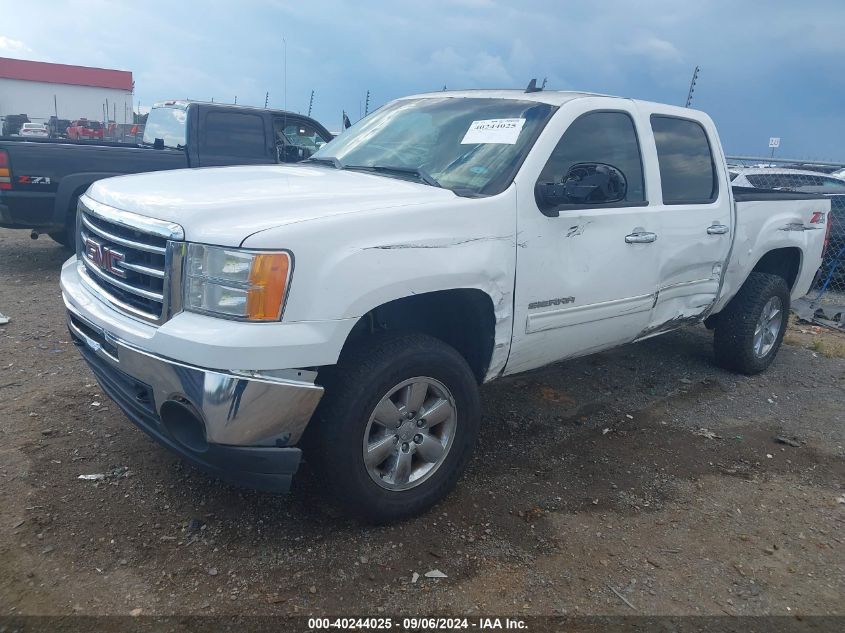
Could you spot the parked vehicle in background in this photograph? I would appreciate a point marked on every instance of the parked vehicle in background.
(48, 178)
(350, 305)
(787, 179)
(37, 130)
(82, 129)
(839, 173)
(12, 123)
(57, 127)
(830, 186)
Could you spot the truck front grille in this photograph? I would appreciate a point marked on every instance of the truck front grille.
(130, 261)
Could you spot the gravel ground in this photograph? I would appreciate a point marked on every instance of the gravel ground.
(639, 481)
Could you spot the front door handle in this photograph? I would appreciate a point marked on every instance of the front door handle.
(717, 229)
(640, 237)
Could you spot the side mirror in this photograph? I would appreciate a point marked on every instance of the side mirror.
(584, 183)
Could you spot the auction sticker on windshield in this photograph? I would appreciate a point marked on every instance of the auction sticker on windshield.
(504, 131)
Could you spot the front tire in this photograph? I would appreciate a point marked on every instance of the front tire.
(749, 331)
(396, 426)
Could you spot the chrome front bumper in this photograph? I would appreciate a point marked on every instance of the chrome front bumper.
(236, 410)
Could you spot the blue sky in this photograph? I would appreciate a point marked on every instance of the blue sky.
(767, 68)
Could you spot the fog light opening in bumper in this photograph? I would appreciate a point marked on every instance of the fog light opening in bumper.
(184, 425)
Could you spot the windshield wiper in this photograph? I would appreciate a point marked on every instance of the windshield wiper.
(421, 174)
(326, 160)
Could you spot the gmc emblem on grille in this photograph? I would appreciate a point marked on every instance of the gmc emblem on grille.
(105, 258)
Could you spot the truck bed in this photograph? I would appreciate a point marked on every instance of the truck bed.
(47, 174)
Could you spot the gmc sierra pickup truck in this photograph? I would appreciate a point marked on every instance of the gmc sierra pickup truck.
(348, 307)
(43, 180)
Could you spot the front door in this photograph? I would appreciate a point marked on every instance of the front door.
(586, 273)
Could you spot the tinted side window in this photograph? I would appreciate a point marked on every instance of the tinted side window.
(296, 140)
(233, 134)
(833, 183)
(687, 170)
(600, 137)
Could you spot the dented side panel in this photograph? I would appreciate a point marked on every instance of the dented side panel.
(694, 239)
(347, 265)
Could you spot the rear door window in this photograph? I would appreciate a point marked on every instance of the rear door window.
(687, 168)
(238, 134)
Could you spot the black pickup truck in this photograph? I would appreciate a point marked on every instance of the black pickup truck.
(40, 180)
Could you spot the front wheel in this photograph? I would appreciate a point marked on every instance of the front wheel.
(749, 331)
(396, 426)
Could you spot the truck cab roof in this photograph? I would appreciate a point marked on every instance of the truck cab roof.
(551, 97)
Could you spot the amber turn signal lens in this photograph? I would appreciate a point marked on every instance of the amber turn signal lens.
(268, 279)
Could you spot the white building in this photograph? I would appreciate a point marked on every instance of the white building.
(41, 90)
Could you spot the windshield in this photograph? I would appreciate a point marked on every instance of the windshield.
(168, 124)
(471, 146)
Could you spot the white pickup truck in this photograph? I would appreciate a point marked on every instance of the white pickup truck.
(350, 306)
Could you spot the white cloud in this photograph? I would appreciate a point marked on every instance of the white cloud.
(13, 47)
(654, 48)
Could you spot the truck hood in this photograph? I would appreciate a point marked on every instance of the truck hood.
(224, 205)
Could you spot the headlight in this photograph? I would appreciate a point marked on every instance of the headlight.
(238, 284)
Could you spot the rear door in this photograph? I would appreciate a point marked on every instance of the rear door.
(234, 137)
(695, 221)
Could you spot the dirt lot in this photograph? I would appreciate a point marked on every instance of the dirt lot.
(641, 481)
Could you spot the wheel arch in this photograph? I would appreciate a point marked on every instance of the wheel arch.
(72, 186)
(785, 262)
(461, 317)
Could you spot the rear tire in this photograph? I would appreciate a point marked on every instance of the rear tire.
(67, 237)
(380, 469)
(749, 331)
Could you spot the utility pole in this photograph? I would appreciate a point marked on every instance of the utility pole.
(266, 99)
(236, 99)
(367, 104)
(56, 107)
(692, 86)
(311, 103)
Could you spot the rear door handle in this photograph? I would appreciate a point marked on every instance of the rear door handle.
(641, 237)
(717, 229)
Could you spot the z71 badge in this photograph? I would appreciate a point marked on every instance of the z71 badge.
(34, 180)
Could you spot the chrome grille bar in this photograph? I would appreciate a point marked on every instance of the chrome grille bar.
(149, 248)
(144, 270)
(146, 294)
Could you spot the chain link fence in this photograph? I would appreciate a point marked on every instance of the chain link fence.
(826, 300)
